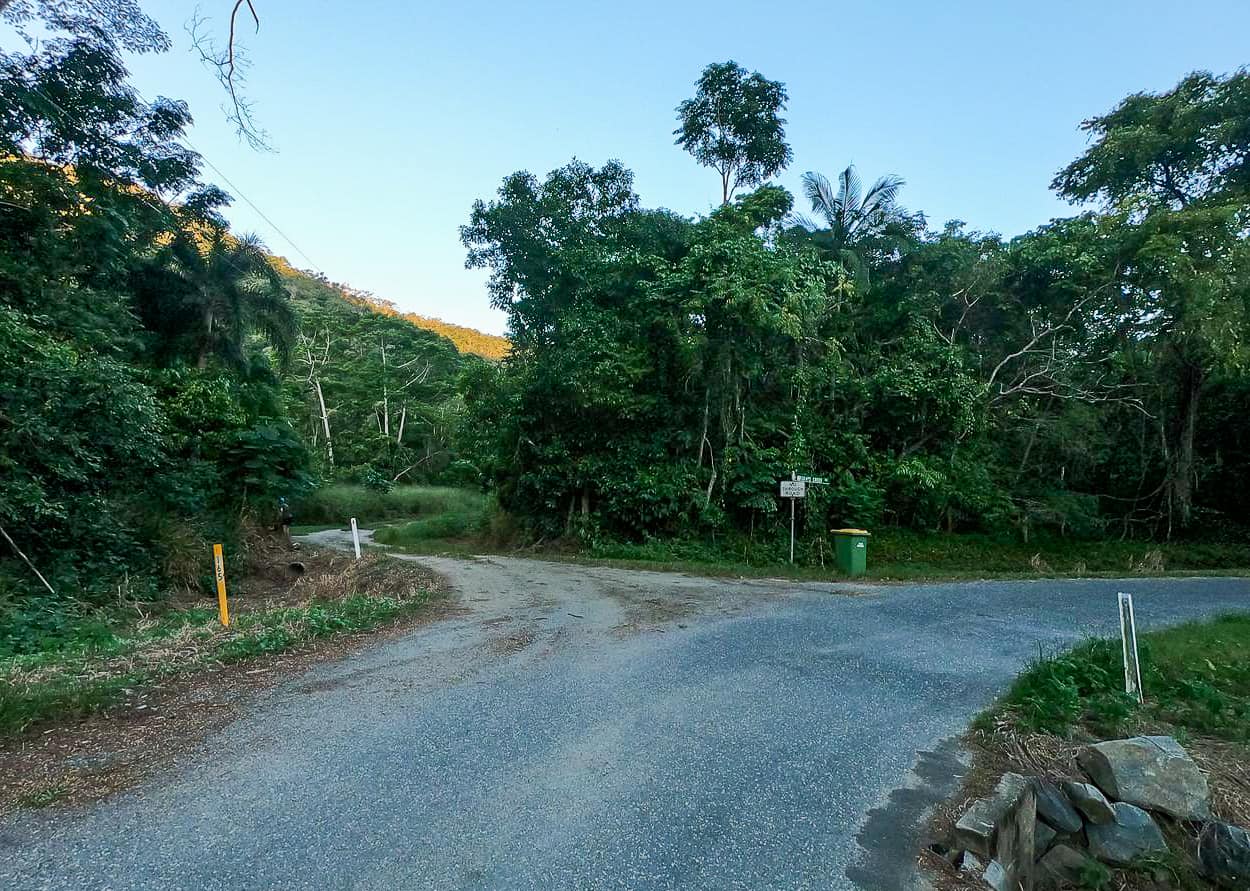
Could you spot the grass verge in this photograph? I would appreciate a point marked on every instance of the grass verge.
(901, 554)
(332, 506)
(78, 679)
(1196, 679)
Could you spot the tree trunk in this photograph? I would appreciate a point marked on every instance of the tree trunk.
(325, 421)
(201, 361)
(386, 396)
(703, 440)
(1181, 480)
(403, 416)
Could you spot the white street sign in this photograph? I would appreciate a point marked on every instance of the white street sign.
(793, 489)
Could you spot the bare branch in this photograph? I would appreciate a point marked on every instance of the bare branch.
(230, 65)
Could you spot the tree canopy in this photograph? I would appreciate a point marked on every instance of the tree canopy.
(667, 371)
(734, 125)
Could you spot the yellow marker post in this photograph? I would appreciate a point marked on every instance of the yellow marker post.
(223, 608)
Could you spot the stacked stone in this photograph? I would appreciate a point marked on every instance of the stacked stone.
(1034, 832)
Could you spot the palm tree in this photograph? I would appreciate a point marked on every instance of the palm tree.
(207, 290)
(851, 216)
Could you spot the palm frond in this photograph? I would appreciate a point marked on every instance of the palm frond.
(882, 197)
(849, 188)
(803, 221)
(821, 195)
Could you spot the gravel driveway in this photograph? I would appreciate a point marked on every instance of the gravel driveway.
(584, 727)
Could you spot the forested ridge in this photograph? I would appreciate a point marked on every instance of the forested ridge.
(163, 381)
(467, 340)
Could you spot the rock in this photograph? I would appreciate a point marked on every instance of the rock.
(1053, 807)
(1066, 865)
(1151, 772)
(971, 865)
(1224, 854)
(1043, 838)
(1132, 834)
(978, 827)
(1015, 844)
(1090, 802)
(997, 878)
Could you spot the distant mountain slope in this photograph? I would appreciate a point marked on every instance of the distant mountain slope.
(466, 340)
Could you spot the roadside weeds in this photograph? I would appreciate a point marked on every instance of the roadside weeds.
(1197, 683)
(79, 723)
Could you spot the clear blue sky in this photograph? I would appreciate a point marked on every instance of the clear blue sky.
(390, 118)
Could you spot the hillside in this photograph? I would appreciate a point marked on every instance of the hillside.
(466, 340)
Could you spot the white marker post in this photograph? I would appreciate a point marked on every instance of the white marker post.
(355, 538)
(1128, 637)
(794, 490)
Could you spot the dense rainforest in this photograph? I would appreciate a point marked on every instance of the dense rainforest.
(163, 381)
(1087, 378)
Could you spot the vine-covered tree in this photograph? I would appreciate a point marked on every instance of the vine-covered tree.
(1173, 171)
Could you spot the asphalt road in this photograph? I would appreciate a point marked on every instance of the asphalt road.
(580, 727)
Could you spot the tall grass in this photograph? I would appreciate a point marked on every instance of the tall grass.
(1195, 677)
(339, 502)
(906, 554)
(461, 516)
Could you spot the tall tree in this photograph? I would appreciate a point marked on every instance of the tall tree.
(734, 125)
(1173, 171)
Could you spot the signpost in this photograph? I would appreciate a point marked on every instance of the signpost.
(355, 538)
(794, 490)
(219, 565)
(1128, 636)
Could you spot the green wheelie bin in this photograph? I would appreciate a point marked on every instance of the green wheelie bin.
(850, 549)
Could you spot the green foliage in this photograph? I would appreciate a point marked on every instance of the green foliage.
(668, 372)
(375, 482)
(855, 222)
(388, 388)
(443, 514)
(139, 408)
(734, 125)
(1196, 677)
(340, 502)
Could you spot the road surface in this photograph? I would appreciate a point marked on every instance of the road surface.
(584, 727)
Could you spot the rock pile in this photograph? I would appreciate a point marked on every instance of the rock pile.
(1035, 833)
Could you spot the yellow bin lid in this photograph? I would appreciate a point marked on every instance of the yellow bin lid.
(850, 532)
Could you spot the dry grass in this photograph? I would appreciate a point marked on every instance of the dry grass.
(97, 719)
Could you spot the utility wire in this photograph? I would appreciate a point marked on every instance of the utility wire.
(65, 117)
